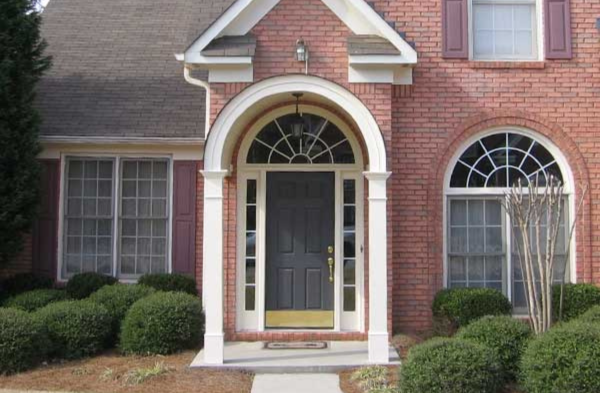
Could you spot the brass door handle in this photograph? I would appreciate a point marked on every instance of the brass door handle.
(330, 263)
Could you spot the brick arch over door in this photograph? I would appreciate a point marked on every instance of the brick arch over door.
(476, 125)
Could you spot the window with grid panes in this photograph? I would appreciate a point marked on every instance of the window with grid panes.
(481, 243)
(504, 29)
(143, 217)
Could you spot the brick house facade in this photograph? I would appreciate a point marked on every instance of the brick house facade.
(427, 111)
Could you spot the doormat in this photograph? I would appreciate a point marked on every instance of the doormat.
(296, 345)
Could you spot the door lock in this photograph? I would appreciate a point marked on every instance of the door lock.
(330, 249)
(330, 263)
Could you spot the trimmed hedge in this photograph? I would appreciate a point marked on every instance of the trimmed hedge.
(506, 336)
(170, 283)
(23, 282)
(76, 329)
(118, 299)
(81, 286)
(577, 299)
(443, 365)
(33, 300)
(23, 341)
(162, 323)
(566, 359)
(461, 306)
(591, 316)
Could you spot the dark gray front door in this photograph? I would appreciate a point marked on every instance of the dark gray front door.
(300, 231)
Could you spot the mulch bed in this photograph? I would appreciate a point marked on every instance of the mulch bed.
(94, 375)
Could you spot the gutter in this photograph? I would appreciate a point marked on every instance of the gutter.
(200, 83)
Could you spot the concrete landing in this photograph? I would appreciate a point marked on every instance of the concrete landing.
(251, 356)
(294, 383)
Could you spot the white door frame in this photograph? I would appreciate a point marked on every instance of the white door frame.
(254, 320)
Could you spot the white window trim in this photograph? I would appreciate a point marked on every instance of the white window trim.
(499, 192)
(116, 206)
(537, 36)
(254, 321)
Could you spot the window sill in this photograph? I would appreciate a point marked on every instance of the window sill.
(502, 65)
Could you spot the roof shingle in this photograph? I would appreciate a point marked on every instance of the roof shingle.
(114, 72)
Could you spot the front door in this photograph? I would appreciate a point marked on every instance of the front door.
(299, 259)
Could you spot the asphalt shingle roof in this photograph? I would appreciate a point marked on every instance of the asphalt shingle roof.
(114, 72)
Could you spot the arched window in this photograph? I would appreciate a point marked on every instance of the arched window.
(317, 141)
(480, 251)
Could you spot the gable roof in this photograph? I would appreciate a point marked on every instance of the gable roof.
(242, 15)
(113, 71)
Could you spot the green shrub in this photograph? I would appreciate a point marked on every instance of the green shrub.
(461, 306)
(577, 299)
(566, 359)
(506, 336)
(24, 282)
(170, 283)
(80, 286)
(118, 299)
(443, 365)
(162, 323)
(32, 300)
(591, 316)
(23, 342)
(76, 328)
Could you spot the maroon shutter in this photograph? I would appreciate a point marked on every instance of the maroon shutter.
(184, 216)
(558, 29)
(455, 29)
(45, 228)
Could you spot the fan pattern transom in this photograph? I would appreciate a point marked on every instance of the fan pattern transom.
(500, 160)
(321, 142)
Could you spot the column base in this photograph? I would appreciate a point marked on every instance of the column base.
(379, 349)
(214, 347)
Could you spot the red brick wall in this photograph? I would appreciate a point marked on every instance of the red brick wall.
(423, 126)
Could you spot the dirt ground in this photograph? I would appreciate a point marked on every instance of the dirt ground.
(108, 373)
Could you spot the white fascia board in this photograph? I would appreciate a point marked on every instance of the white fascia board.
(384, 30)
(231, 74)
(243, 15)
(94, 140)
(197, 58)
(238, 19)
(396, 75)
(377, 59)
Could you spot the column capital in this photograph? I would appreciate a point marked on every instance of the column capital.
(214, 175)
(377, 176)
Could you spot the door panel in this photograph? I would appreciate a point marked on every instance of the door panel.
(300, 227)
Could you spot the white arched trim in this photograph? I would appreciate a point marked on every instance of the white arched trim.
(215, 156)
(449, 192)
(541, 139)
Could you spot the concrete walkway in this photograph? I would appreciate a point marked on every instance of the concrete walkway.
(296, 383)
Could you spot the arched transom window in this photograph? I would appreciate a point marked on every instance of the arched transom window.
(500, 160)
(295, 139)
(480, 247)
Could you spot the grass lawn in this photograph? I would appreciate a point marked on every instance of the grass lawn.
(110, 372)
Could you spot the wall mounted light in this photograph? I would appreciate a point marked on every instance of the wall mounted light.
(297, 125)
(598, 24)
(302, 52)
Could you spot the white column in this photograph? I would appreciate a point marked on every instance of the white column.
(378, 289)
(212, 277)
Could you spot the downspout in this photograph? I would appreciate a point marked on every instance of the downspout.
(206, 86)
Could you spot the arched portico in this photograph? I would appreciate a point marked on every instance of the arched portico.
(219, 148)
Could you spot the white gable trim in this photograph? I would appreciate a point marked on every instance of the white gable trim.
(243, 15)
